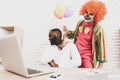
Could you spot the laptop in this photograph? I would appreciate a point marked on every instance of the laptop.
(12, 59)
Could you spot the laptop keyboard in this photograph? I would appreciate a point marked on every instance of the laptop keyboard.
(33, 71)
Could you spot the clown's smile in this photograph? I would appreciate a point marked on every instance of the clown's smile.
(88, 17)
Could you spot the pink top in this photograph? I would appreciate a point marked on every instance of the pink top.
(84, 41)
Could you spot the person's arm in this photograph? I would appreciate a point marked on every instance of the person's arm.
(101, 48)
(71, 34)
(75, 56)
(48, 55)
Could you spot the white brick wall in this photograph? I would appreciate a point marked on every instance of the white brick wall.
(36, 18)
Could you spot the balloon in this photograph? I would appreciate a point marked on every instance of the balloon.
(59, 11)
(68, 11)
(58, 17)
(63, 12)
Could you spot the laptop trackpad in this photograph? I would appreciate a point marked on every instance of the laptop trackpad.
(33, 71)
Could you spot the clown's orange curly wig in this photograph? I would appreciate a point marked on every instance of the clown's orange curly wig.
(95, 7)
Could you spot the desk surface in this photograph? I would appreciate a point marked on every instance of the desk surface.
(66, 74)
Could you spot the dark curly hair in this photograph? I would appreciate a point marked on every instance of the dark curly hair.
(55, 36)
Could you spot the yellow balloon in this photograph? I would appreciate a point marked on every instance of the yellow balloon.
(58, 17)
(60, 10)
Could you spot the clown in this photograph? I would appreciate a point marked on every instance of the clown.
(89, 35)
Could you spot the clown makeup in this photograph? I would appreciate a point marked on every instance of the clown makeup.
(88, 17)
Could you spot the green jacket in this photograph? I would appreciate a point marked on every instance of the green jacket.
(98, 42)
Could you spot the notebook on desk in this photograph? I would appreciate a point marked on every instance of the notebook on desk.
(12, 59)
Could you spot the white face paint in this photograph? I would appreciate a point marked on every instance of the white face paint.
(88, 17)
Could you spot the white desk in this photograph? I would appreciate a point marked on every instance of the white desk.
(67, 74)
